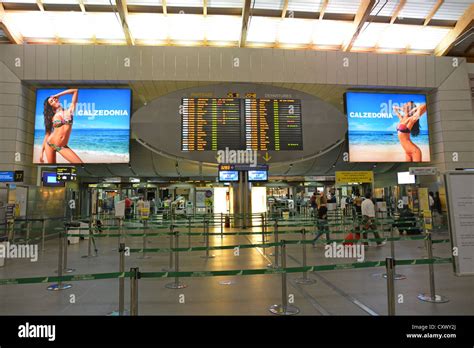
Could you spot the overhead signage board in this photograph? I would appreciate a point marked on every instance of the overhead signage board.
(320, 178)
(354, 177)
(66, 174)
(423, 170)
(460, 201)
(243, 167)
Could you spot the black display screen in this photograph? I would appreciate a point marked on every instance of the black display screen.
(210, 124)
(273, 124)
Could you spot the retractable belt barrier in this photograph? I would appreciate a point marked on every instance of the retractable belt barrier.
(236, 272)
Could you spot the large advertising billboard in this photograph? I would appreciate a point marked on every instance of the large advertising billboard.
(82, 126)
(385, 127)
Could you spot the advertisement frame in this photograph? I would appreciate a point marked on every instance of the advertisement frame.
(90, 88)
(368, 91)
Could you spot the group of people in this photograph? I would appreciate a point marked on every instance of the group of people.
(365, 210)
(130, 206)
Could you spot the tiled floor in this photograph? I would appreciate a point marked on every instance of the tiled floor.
(341, 292)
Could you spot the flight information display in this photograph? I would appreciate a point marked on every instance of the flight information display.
(210, 124)
(273, 124)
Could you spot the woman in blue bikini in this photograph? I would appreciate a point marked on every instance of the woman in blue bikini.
(58, 126)
(409, 116)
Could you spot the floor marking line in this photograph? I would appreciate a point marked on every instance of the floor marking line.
(352, 299)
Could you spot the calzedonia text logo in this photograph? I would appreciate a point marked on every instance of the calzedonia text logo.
(37, 331)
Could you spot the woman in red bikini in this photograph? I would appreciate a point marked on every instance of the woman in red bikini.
(58, 126)
(409, 116)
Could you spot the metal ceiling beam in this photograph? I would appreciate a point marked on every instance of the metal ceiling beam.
(204, 7)
(165, 11)
(40, 5)
(14, 37)
(397, 11)
(245, 22)
(81, 5)
(123, 13)
(324, 6)
(466, 21)
(361, 17)
(433, 11)
(285, 9)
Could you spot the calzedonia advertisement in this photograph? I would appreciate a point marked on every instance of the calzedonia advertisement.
(82, 126)
(387, 127)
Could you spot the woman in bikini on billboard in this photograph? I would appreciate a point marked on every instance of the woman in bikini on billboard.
(58, 126)
(409, 125)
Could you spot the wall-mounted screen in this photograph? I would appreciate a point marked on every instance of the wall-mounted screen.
(385, 127)
(50, 179)
(258, 175)
(210, 124)
(273, 124)
(7, 176)
(82, 126)
(405, 178)
(228, 176)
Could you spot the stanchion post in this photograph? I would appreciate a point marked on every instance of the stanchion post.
(60, 285)
(89, 245)
(396, 276)
(304, 279)
(206, 236)
(43, 232)
(176, 284)
(432, 296)
(134, 276)
(390, 267)
(170, 265)
(65, 241)
(121, 279)
(28, 231)
(145, 228)
(276, 247)
(284, 308)
(189, 232)
(222, 226)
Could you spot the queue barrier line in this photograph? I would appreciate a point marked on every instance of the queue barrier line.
(241, 233)
(192, 274)
(267, 245)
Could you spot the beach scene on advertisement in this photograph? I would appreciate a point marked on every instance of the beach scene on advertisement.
(82, 126)
(387, 127)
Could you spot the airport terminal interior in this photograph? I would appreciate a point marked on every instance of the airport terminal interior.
(236, 157)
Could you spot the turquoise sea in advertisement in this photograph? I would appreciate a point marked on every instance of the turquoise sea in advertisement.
(384, 138)
(108, 141)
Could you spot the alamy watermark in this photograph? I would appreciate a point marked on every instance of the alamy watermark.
(345, 251)
(19, 251)
(228, 156)
(37, 331)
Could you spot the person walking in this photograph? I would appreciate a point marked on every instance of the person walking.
(322, 224)
(368, 218)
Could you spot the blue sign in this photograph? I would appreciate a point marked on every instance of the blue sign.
(387, 127)
(258, 175)
(228, 176)
(7, 176)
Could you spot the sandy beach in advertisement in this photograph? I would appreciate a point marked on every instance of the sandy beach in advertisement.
(86, 157)
(383, 153)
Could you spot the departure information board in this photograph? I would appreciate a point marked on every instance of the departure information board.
(210, 124)
(273, 124)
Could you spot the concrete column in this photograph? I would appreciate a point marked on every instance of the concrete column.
(17, 104)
